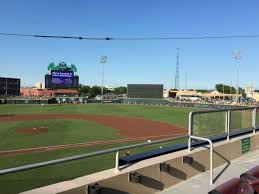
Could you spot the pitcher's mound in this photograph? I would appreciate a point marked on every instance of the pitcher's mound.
(33, 130)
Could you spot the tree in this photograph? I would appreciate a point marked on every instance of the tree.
(120, 90)
(229, 89)
(242, 91)
(222, 88)
(84, 89)
(95, 90)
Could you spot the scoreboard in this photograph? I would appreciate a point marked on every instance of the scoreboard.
(62, 78)
(59, 79)
(145, 91)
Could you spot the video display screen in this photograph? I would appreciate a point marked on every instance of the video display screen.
(62, 78)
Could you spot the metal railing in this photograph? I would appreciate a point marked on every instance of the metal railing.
(117, 150)
(87, 155)
(227, 128)
(228, 119)
(211, 154)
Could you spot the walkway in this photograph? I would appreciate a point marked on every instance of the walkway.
(200, 183)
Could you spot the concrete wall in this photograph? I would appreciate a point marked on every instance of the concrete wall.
(27, 101)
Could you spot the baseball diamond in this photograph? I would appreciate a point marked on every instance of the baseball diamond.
(34, 133)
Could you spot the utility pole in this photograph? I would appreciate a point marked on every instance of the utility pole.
(177, 74)
(237, 57)
(230, 91)
(103, 60)
(223, 92)
(185, 81)
(6, 87)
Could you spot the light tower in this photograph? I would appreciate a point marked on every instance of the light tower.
(103, 60)
(177, 75)
(6, 86)
(185, 81)
(237, 57)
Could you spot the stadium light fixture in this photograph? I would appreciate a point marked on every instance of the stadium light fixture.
(237, 57)
(103, 60)
(6, 86)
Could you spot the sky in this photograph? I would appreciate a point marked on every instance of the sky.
(205, 62)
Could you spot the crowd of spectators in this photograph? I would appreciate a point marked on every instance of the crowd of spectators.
(220, 101)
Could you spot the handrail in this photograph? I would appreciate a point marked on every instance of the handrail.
(87, 155)
(211, 154)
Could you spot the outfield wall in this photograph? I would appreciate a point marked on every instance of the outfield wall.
(105, 101)
(145, 101)
(28, 101)
(133, 101)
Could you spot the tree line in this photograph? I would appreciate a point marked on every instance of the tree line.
(226, 89)
(93, 91)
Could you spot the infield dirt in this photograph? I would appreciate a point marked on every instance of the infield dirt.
(132, 129)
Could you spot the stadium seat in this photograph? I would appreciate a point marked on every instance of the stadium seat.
(252, 178)
(237, 186)
(254, 172)
(229, 187)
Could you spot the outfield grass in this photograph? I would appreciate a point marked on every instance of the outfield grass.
(176, 116)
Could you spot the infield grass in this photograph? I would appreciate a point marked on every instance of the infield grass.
(59, 132)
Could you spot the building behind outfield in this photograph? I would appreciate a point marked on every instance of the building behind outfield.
(10, 86)
(145, 91)
(48, 92)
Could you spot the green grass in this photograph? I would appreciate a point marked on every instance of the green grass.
(70, 131)
(74, 131)
(176, 116)
(59, 132)
(22, 181)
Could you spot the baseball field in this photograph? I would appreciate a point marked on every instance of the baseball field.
(35, 133)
